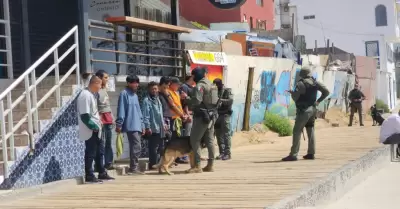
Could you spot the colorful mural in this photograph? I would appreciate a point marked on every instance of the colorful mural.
(214, 71)
(272, 79)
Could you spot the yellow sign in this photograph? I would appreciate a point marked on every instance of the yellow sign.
(208, 58)
(204, 56)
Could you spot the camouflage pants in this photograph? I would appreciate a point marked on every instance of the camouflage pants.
(304, 119)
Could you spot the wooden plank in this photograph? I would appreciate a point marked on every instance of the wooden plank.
(254, 178)
(143, 24)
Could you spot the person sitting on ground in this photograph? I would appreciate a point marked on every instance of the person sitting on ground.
(390, 130)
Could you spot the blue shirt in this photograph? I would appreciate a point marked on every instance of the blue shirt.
(153, 115)
(129, 114)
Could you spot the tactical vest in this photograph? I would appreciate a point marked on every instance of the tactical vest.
(309, 97)
(210, 94)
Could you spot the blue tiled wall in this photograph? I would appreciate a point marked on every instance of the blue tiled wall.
(58, 153)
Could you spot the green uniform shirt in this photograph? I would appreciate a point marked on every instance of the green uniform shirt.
(301, 89)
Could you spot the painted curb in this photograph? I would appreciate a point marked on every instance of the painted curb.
(336, 184)
(10, 195)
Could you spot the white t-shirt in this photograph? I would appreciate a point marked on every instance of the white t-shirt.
(87, 104)
(389, 127)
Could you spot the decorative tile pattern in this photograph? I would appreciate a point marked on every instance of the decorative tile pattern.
(58, 153)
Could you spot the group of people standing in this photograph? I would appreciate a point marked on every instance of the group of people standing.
(170, 109)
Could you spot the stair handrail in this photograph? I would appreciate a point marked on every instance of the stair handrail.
(38, 62)
(33, 104)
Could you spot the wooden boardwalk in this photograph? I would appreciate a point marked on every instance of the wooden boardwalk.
(255, 178)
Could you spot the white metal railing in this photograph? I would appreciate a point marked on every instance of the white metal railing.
(32, 102)
(7, 37)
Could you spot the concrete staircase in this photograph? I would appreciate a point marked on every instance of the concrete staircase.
(45, 113)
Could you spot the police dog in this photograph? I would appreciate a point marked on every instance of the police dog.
(376, 116)
(174, 148)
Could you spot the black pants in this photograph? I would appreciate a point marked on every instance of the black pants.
(108, 152)
(94, 151)
(356, 107)
(393, 139)
(156, 148)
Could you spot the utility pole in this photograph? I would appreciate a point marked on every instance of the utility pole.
(246, 121)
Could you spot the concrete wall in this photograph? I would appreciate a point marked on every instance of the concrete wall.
(205, 13)
(274, 76)
(366, 74)
(335, 20)
(193, 10)
(211, 47)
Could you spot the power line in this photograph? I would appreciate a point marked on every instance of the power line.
(333, 30)
(341, 32)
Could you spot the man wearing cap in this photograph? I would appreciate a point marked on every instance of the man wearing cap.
(203, 101)
(356, 97)
(223, 123)
(305, 97)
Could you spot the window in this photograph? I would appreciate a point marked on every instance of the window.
(260, 3)
(372, 50)
(261, 24)
(380, 16)
(390, 53)
(308, 17)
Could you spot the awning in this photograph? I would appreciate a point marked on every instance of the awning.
(147, 25)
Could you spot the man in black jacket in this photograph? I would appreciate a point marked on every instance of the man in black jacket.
(223, 123)
(356, 97)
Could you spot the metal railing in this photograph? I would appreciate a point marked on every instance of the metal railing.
(30, 94)
(7, 36)
(172, 59)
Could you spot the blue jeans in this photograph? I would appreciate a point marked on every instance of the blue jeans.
(94, 151)
(108, 152)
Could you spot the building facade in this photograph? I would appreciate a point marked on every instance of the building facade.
(361, 27)
(258, 13)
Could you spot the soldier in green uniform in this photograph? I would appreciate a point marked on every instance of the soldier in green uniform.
(223, 123)
(356, 97)
(203, 101)
(305, 97)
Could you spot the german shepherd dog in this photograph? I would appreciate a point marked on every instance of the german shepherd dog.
(376, 116)
(176, 147)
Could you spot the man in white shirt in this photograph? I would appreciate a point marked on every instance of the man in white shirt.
(90, 130)
(390, 130)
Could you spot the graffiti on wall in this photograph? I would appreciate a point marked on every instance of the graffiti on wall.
(267, 93)
(272, 95)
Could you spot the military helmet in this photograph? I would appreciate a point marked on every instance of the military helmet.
(305, 72)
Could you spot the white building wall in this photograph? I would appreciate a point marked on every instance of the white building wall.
(349, 24)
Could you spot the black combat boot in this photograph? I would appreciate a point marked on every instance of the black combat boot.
(219, 157)
(309, 157)
(290, 158)
(226, 157)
